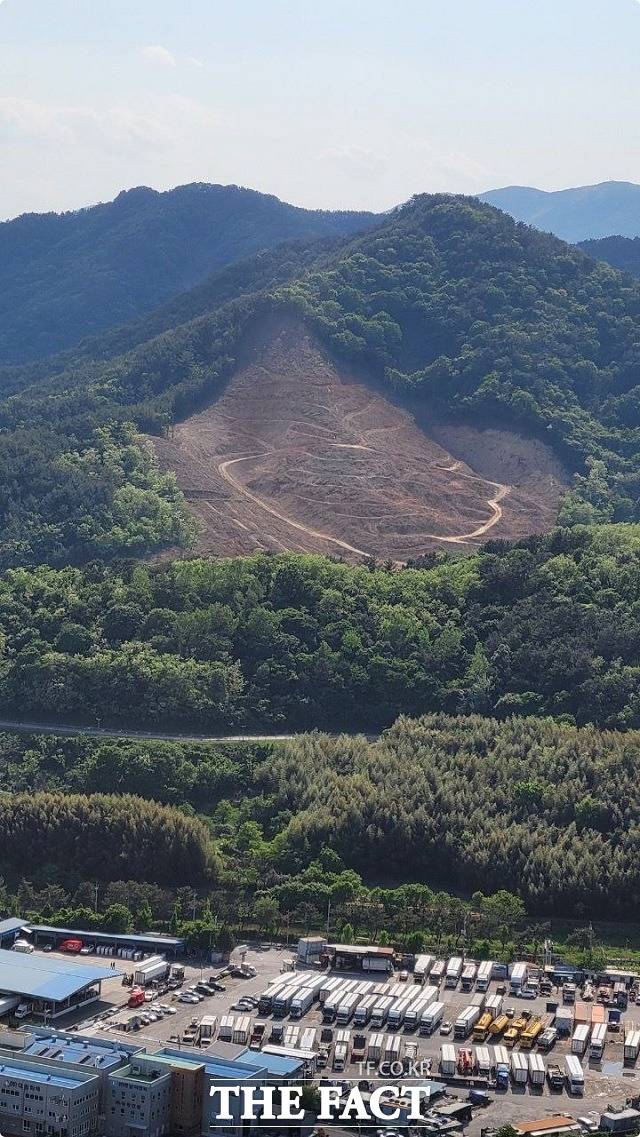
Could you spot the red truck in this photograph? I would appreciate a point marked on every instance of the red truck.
(71, 945)
(136, 998)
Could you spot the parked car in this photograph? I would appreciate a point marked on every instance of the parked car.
(446, 1027)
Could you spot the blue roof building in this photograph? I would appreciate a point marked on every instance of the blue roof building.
(10, 929)
(53, 986)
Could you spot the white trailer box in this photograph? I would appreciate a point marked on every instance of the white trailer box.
(484, 1061)
(392, 1048)
(156, 967)
(207, 1027)
(448, 1061)
(422, 967)
(574, 1074)
(518, 977)
(437, 971)
(330, 985)
(598, 1040)
(483, 978)
(362, 1013)
(494, 1004)
(375, 1047)
(519, 1067)
(580, 1038)
(395, 1016)
(563, 1021)
(241, 1030)
(469, 973)
(302, 1002)
(380, 1011)
(225, 1030)
(631, 1044)
(465, 1022)
(453, 972)
(310, 948)
(537, 1070)
(346, 1008)
(431, 1017)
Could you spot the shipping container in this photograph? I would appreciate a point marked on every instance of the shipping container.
(156, 967)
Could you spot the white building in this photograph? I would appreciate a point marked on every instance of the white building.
(37, 1099)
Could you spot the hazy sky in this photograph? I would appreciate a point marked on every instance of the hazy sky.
(352, 103)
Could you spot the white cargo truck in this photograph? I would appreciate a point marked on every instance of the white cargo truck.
(156, 967)
(483, 978)
(519, 1067)
(375, 1048)
(465, 1022)
(580, 1038)
(392, 1048)
(518, 977)
(563, 1021)
(422, 967)
(484, 1061)
(631, 1044)
(448, 1060)
(302, 1002)
(346, 1008)
(341, 1049)
(225, 1030)
(574, 1074)
(494, 1004)
(363, 1011)
(453, 972)
(437, 972)
(598, 1041)
(380, 1011)
(469, 973)
(537, 1070)
(241, 1030)
(207, 1027)
(431, 1018)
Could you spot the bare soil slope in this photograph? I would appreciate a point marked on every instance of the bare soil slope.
(298, 454)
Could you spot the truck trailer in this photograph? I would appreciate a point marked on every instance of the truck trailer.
(518, 978)
(598, 1041)
(380, 1011)
(574, 1074)
(448, 1065)
(580, 1038)
(631, 1044)
(431, 1018)
(483, 978)
(468, 978)
(537, 1071)
(465, 1022)
(422, 967)
(453, 972)
(156, 967)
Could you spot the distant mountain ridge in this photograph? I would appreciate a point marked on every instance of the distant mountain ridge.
(578, 214)
(621, 252)
(70, 275)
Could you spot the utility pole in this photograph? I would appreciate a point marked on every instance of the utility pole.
(95, 897)
(328, 916)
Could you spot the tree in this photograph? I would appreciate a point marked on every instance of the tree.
(266, 912)
(117, 918)
(144, 917)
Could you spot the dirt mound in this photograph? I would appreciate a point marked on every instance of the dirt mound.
(299, 454)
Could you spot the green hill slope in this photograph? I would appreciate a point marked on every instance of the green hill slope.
(621, 252)
(450, 303)
(66, 276)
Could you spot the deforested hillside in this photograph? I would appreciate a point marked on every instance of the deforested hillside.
(66, 276)
(450, 309)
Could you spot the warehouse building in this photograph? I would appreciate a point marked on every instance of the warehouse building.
(97, 1055)
(350, 957)
(50, 988)
(10, 929)
(37, 1099)
(145, 942)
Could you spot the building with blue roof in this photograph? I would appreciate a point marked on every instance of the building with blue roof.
(10, 929)
(137, 941)
(52, 987)
(37, 1099)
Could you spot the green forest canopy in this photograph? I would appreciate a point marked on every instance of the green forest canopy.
(449, 301)
(547, 626)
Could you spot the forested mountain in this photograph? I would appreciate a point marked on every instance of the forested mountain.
(66, 276)
(547, 626)
(449, 303)
(621, 252)
(574, 214)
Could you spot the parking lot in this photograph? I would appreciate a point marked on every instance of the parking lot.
(607, 1082)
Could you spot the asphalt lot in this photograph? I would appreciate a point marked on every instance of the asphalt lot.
(608, 1082)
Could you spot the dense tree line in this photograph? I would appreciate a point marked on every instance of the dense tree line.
(621, 252)
(547, 626)
(105, 837)
(546, 811)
